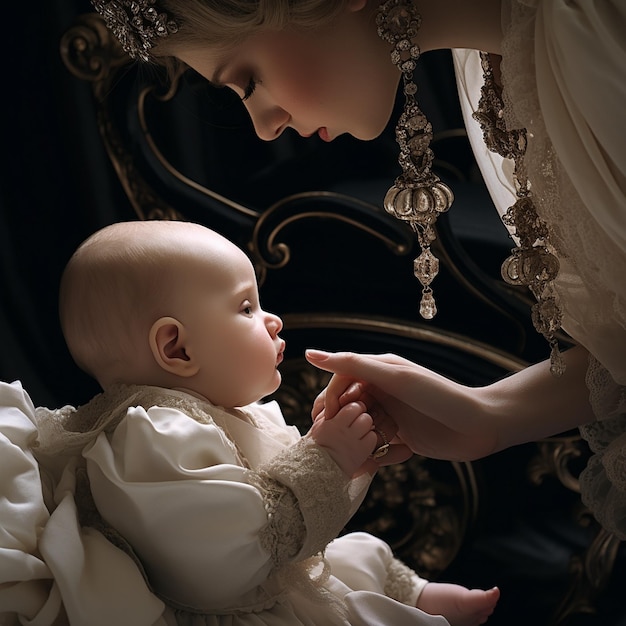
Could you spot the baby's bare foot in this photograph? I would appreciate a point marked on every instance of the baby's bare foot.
(460, 606)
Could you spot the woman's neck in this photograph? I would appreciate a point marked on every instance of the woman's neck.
(474, 24)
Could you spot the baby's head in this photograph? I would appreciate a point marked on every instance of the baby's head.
(171, 304)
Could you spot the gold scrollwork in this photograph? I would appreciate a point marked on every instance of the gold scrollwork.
(590, 570)
(590, 573)
(555, 457)
(89, 51)
(270, 253)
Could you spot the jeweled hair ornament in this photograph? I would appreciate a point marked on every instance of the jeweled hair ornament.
(137, 24)
(418, 196)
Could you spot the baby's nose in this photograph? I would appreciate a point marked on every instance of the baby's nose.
(274, 324)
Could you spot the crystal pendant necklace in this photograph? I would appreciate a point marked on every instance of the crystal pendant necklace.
(418, 196)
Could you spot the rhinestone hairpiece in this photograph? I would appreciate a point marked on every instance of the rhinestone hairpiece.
(417, 196)
(137, 24)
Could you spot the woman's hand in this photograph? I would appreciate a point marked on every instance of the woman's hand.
(439, 418)
(434, 416)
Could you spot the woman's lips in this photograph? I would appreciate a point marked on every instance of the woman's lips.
(323, 134)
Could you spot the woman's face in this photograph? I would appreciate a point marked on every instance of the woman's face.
(333, 80)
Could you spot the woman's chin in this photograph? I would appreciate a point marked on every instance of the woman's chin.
(371, 133)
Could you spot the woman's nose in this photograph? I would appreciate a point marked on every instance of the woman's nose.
(269, 119)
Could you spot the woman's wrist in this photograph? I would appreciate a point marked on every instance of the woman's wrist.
(533, 404)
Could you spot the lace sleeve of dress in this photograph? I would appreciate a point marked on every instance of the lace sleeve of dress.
(603, 481)
(307, 499)
(403, 584)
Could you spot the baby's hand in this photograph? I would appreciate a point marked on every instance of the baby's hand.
(349, 438)
(390, 448)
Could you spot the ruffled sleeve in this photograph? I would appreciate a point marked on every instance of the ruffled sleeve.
(603, 481)
(569, 90)
(322, 493)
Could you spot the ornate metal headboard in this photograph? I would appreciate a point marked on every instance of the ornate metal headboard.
(337, 269)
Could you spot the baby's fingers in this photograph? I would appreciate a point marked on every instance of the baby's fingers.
(319, 405)
(362, 427)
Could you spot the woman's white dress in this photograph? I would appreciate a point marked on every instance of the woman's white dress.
(564, 80)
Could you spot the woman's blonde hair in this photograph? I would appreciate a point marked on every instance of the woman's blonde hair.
(225, 23)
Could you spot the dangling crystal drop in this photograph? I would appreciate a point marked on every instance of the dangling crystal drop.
(428, 308)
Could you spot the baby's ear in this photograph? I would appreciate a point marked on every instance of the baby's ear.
(168, 344)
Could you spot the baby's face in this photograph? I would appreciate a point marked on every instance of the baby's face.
(233, 339)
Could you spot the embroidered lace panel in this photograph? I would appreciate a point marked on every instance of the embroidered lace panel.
(401, 583)
(320, 487)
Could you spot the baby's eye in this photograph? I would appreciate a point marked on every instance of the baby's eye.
(247, 308)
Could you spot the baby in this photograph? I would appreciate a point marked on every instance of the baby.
(229, 514)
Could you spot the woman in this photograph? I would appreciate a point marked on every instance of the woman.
(551, 110)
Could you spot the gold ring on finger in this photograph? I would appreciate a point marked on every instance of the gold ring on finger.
(383, 449)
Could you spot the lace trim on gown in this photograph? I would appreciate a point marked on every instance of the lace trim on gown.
(603, 481)
(320, 487)
(403, 584)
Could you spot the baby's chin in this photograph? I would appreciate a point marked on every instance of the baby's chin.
(268, 391)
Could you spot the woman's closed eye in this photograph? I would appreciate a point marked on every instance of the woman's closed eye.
(249, 89)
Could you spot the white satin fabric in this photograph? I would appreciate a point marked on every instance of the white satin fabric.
(181, 496)
(564, 79)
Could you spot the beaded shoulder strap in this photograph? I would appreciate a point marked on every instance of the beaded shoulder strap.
(531, 263)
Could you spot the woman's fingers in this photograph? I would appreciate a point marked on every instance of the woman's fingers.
(387, 371)
(425, 391)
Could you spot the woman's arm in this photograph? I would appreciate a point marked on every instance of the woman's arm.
(440, 418)
(533, 403)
